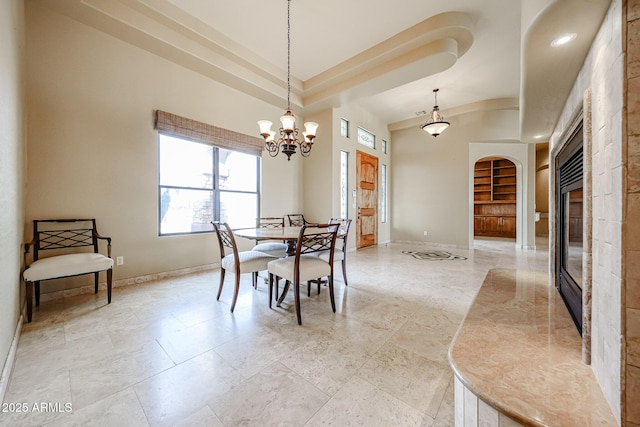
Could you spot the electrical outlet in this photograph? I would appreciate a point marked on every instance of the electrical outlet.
(426, 233)
(120, 260)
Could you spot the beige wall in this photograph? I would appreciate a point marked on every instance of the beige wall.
(359, 117)
(93, 150)
(602, 73)
(542, 189)
(318, 172)
(12, 139)
(322, 167)
(430, 187)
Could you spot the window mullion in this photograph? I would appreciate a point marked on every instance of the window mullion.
(216, 183)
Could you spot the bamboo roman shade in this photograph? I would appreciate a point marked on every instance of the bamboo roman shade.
(182, 127)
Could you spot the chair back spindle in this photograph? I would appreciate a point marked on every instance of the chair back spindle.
(270, 222)
(316, 238)
(296, 220)
(225, 238)
(343, 234)
(238, 262)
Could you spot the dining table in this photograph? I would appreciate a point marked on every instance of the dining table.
(286, 234)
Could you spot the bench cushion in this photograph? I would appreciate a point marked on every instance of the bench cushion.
(67, 265)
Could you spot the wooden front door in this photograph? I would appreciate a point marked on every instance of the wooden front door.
(367, 200)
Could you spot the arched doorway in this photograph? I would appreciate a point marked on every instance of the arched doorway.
(494, 198)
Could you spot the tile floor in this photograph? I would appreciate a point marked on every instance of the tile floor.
(167, 353)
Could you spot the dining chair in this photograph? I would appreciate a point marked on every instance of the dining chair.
(277, 249)
(341, 252)
(296, 220)
(237, 262)
(303, 266)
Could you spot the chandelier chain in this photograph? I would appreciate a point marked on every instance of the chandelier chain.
(288, 54)
(288, 132)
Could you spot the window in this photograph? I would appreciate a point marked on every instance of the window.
(383, 194)
(344, 184)
(366, 138)
(344, 128)
(200, 183)
(384, 147)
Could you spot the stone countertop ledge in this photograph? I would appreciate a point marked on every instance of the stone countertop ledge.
(519, 351)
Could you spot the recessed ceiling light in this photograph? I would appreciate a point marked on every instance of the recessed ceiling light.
(563, 39)
(538, 136)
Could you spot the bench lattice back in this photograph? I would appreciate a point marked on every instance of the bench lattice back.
(63, 234)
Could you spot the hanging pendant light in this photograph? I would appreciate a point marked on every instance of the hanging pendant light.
(288, 133)
(436, 123)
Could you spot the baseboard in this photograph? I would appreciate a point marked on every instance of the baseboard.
(89, 289)
(11, 358)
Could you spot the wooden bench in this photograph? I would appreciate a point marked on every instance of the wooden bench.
(63, 237)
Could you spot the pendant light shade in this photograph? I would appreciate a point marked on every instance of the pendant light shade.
(436, 123)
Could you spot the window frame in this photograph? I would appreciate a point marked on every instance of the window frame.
(344, 184)
(384, 178)
(362, 133)
(215, 189)
(344, 127)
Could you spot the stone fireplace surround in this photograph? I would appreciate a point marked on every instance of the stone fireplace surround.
(607, 90)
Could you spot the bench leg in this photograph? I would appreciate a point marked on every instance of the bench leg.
(109, 280)
(37, 293)
(96, 277)
(29, 292)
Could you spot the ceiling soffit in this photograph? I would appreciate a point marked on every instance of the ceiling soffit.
(426, 48)
(548, 73)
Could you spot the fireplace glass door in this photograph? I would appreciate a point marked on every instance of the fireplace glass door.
(569, 220)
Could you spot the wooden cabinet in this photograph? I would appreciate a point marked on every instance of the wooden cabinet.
(494, 194)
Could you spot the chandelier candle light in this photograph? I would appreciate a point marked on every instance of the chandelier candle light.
(436, 123)
(288, 138)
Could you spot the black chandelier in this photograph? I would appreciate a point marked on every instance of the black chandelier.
(288, 139)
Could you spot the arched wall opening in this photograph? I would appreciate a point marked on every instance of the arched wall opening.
(523, 157)
(494, 198)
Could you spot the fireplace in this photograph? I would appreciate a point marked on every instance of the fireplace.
(569, 223)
